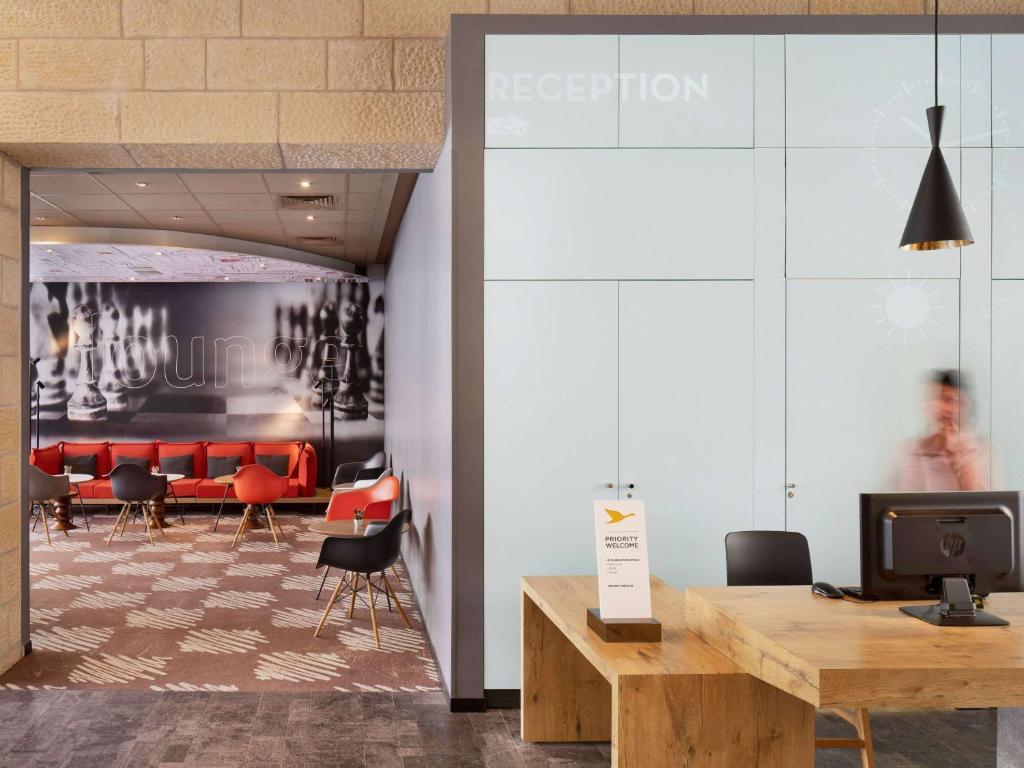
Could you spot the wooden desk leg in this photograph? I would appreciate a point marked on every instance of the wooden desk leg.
(1010, 739)
(563, 696)
(709, 721)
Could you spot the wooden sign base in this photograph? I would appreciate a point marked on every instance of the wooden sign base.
(624, 630)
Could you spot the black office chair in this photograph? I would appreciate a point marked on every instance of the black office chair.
(783, 558)
(136, 487)
(362, 557)
(43, 490)
(767, 559)
(350, 472)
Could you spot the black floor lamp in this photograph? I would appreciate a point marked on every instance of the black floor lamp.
(37, 388)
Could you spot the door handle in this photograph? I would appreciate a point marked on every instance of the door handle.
(609, 485)
(630, 486)
(790, 490)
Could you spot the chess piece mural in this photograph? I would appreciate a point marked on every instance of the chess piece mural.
(111, 382)
(43, 343)
(162, 361)
(86, 403)
(350, 402)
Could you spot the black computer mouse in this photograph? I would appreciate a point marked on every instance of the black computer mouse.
(824, 589)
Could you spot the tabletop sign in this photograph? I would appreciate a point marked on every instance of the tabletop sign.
(623, 573)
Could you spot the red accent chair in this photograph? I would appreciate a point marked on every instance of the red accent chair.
(257, 486)
(375, 500)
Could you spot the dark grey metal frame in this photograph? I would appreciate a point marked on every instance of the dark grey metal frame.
(465, 105)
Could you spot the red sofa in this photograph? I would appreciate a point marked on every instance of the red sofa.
(301, 464)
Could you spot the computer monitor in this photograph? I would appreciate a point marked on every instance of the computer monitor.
(910, 541)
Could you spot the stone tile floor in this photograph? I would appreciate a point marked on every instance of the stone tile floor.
(96, 729)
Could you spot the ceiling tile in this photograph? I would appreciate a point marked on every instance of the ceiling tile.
(364, 182)
(229, 202)
(253, 218)
(53, 219)
(362, 202)
(360, 231)
(128, 182)
(39, 204)
(72, 203)
(360, 217)
(177, 219)
(319, 183)
(112, 219)
(65, 184)
(224, 183)
(319, 217)
(313, 229)
(182, 202)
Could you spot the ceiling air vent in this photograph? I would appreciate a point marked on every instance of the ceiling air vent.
(325, 240)
(143, 270)
(306, 202)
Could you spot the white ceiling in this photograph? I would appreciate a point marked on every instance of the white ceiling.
(116, 263)
(242, 205)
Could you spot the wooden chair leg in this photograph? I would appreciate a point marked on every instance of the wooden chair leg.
(355, 589)
(271, 523)
(373, 611)
(127, 512)
(145, 521)
(273, 512)
(867, 752)
(241, 526)
(117, 520)
(330, 604)
(398, 602)
(46, 524)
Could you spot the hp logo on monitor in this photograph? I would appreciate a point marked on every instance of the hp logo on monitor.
(952, 545)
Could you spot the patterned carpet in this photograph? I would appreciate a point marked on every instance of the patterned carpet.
(191, 614)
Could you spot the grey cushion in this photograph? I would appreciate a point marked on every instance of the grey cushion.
(140, 461)
(222, 465)
(82, 465)
(278, 464)
(178, 465)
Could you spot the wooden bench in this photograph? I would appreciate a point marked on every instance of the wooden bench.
(674, 703)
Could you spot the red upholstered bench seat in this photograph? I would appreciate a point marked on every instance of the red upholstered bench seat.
(301, 463)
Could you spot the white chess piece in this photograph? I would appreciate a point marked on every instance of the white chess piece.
(87, 402)
(44, 345)
(111, 382)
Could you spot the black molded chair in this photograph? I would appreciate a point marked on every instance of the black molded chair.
(363, 557)
(767, 559)
(43, 490)
(783, 558)
(360, 470)
(136, 487)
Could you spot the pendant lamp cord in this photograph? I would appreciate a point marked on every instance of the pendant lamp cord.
(936, 53)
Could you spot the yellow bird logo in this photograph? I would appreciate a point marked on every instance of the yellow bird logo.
(614, 516)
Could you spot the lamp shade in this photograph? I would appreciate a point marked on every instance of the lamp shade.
(936, 219)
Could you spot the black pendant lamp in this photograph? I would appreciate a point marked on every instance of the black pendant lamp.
(936, 219)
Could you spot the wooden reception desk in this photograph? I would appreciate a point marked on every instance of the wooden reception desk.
(740, 671)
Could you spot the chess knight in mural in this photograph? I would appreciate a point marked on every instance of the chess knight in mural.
(202, 361)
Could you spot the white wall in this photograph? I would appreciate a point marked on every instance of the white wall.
(418, 389)
(791, 167)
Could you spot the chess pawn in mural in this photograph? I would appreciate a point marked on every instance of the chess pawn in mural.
(327, 353)
(350, 402)
(111, 383)
(377, 371)
(87, 402)
(45, 346)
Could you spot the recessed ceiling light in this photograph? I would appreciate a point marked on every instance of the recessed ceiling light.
(141, 183)
(159, 253)
(311, 217)
(132, 279)
(49, 250)
(39, 218)
(304, 184)
(176, 218)
(226, 277)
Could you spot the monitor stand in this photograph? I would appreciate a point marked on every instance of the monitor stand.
(956, 609)
(933, 615)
